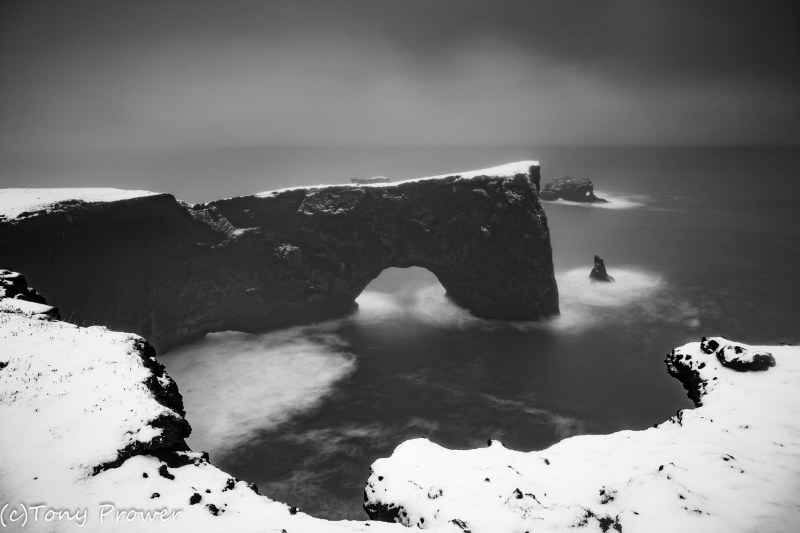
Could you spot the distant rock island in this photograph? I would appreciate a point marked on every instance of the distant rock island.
(172, 271)
(369, 181)
(571, 189)
(599, 273)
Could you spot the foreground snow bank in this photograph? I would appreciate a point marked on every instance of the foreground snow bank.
(729, 465)
(93, 436)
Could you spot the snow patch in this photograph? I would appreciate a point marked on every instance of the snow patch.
(15, 305)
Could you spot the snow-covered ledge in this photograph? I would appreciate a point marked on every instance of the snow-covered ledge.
(731, 464)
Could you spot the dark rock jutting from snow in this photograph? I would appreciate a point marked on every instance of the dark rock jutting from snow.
(14, 287)
(737, 356)
(571, 189)
(733, 355)
(172, 272)
(599, 273)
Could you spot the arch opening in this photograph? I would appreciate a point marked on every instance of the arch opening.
(395, 280)
(399, 290)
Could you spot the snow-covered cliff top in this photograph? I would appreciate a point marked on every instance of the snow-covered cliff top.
(508, 170)
(730, 465)
(73, 401)
(14, 202)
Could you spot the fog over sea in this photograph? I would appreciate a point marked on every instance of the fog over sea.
(701, 241)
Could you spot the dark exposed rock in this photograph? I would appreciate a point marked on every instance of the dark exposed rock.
(172, 438)
(213, 509)
(373, 179)
(461, 525)
(174, 429)
(572, 189)
(171, 272)
(737, 356)
(384, 512)
(688, 375)
(604, 522)
(164, 472)
(599, 273)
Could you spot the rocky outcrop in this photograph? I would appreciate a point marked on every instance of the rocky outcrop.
(737, 356)
(171, 271)
(733, 355)
(598, 272)
(14, 285)
(17, 297)
(370, 181)
(571, 189)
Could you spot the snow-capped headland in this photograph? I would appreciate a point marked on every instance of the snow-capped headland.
(731, 464)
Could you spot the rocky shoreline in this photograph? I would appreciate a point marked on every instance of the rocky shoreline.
(61, 383)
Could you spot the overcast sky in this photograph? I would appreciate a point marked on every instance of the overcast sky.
(112, 75)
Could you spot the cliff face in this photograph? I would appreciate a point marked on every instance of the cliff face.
(171, 271)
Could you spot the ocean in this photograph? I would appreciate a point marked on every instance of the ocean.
(701, 241)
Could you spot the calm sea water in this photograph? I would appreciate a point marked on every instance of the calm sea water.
(701, 241)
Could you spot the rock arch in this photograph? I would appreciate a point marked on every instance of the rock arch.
(171, 271)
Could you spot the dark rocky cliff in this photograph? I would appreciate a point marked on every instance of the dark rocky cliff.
(172, 271)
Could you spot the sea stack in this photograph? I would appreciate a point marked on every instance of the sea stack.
(599, 273)
(571, 189)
